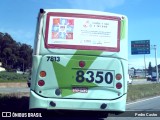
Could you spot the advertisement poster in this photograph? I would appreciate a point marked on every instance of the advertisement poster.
(85, 32)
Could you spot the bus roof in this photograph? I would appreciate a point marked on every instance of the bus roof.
(84, 12)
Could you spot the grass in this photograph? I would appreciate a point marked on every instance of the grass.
(12, 77)
(139, 78)
(142, 91)
(14, 81)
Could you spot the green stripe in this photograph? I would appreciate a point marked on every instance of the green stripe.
(123, 29)
(66, 75)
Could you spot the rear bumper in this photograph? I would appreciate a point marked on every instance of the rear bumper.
(37, 101)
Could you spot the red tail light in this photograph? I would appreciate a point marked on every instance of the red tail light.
(118, 85)
(41, 83)
(118, 76)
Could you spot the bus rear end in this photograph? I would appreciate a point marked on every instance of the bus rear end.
(80, 61)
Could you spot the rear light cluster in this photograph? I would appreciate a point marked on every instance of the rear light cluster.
(118, 78)
(42, 73)
(42, 82)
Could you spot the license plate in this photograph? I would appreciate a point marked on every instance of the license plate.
(80, 89)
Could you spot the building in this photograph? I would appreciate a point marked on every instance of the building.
(137, 72)
(131, 72)
(1, 68)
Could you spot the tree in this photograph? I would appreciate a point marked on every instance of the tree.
(14, 55)
(26, 53)
(150, 69)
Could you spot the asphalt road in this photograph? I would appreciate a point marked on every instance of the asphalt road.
(140, 110)
(134, 111)
(14, 90)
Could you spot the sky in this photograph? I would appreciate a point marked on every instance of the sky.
(18, 18)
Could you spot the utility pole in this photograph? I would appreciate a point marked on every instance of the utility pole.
(144, 66)
(23, 66)
(155, 48)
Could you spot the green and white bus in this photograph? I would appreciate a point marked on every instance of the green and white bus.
(80, 61)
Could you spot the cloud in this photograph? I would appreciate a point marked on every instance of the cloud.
(95, 4)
